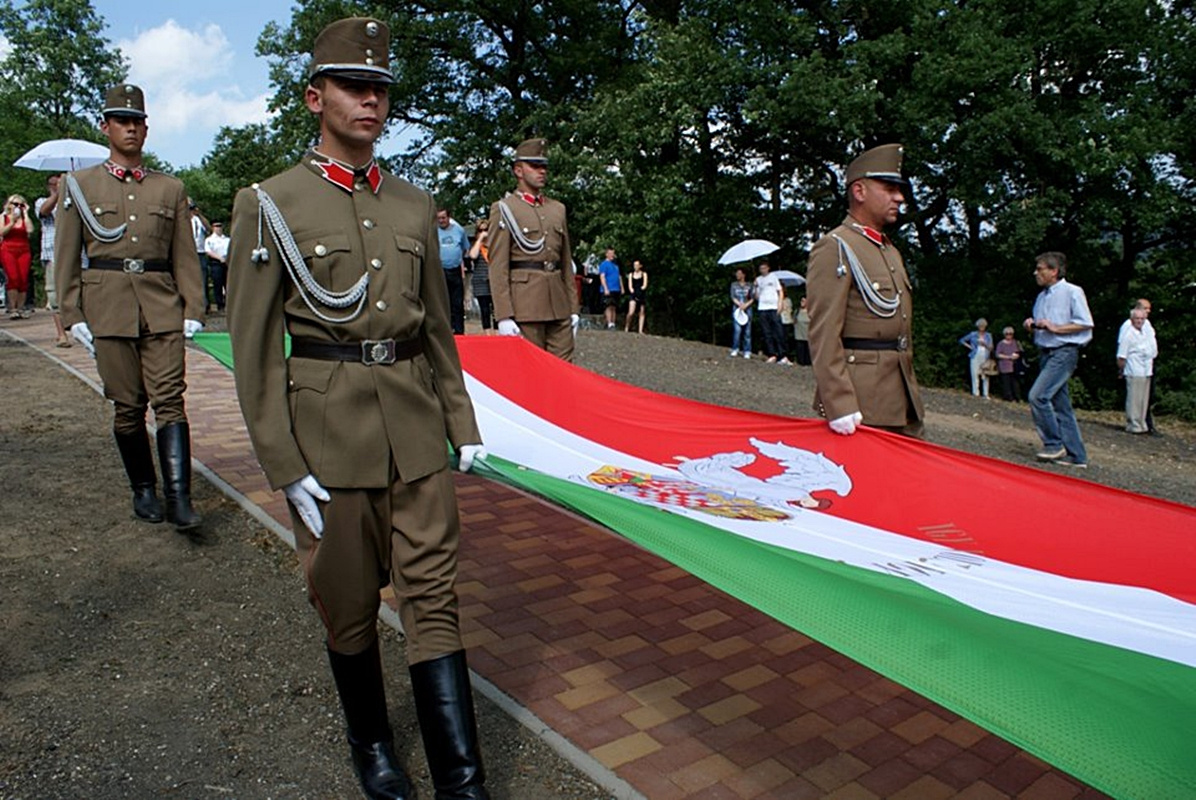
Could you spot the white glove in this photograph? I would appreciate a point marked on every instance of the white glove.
(191, 327)
(303, 495)
(846, 425)
(508, 327)
(82, 334)
(467, 454)
(575, 321)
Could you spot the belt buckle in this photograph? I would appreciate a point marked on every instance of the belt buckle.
(134, 266)
(550, 266)
(377, 351)
(902, 343)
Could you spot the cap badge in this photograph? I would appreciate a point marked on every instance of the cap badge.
(371, 29)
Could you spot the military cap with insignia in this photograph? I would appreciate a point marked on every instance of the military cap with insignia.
(357, 48)
(125, 100)
(879, 163)
(533, 151)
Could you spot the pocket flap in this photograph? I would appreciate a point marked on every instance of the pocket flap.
(322, 245)
(305, 373)
(409, 245)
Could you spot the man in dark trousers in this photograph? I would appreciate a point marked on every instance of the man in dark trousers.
(139, 298)
(352, 426)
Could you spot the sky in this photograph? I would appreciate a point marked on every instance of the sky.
(196, 64)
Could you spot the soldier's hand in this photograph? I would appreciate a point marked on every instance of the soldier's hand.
(846, 425)
(508, 327)
(468, 454)
(575, 321)
(191, 327)
(82, 334)
(303, 495)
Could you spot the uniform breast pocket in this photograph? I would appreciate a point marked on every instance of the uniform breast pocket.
(408, 263)
(325, 253)
(161, 220)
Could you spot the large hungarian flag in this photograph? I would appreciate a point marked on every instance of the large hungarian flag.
(1057, 613)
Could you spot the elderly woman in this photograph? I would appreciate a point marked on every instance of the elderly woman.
(980, 347)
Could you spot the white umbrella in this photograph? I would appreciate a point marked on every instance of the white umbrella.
(747, 250)
(63, 155)
(788, 277)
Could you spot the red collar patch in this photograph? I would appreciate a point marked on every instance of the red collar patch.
(532, 199)
(117, 171)
(345, 176)
(871, 234)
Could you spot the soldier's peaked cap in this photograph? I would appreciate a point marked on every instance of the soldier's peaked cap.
(357, 48)
(880, 163)
(125, 100)
(533, 151)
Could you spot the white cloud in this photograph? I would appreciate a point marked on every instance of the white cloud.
(190, 78)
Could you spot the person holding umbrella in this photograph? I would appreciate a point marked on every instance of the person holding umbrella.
(139, 298)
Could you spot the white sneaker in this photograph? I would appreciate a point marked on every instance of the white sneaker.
(734, 353)
(747, 355)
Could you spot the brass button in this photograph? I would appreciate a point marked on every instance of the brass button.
(876, 285)
(381, 305)
(376, 263)
(132, 218)
(851, 359)
(368, 223)
(131, 197)
(321, 250)
(133, 238)
(99, 210)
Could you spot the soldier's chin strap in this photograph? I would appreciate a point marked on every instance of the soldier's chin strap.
(74, 195)
(878, 304)
(297, 268)
(520, 238)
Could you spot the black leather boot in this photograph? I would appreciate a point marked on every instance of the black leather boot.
(139, 466)
(174, 453)
(444, 704)
(363, 698)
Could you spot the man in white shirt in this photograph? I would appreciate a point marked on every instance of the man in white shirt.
(216, 249)
(1137, 349)
(768, 302)
(199, 231)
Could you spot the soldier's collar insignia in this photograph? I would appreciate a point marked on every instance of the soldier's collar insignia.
(120, 173)
(345, 176)
(532, 199)
(871, 234)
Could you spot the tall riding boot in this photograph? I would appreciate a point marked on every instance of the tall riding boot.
(363, 698)
(444, 704)
(174, 453)
(139, 466)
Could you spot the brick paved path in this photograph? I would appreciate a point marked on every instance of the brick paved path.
(661, 682)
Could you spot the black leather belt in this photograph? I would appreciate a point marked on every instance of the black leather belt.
(134, 266)
(368, 352)
(546, 266)
(900, 343)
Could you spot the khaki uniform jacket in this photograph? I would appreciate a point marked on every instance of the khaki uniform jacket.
(114, 303)
(532, 295)
(880, 384)
(345, 422)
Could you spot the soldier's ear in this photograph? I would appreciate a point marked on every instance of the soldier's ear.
(313, 97)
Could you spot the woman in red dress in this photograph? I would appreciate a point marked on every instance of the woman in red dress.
(15, 255)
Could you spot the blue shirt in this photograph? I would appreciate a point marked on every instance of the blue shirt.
(1062, 304)
(453, 245)
(610, 271)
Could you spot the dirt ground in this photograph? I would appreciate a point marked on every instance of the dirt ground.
(141, 663)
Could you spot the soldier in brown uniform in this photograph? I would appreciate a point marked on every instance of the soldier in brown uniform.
(531, 264)
(861, 308)
(344, 257)
(137, 302)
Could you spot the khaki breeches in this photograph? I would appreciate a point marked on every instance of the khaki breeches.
(405, 535)
(140, 373)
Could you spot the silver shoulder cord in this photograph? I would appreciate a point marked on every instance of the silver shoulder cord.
(74, 194)
(525, 244)
(304, 281)
(876, 303)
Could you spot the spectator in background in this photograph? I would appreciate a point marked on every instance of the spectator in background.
(611, 281)
(743, 296)
(786, 320)
(15, 254)
(1143, 304)
(1137, 349)
(216, 249)
(801, 332)
(480, 280)
(768, 303)
(1009, 355)
(199, 232)
(1062, 324)
(45, 209)
(980, 347)
(453, 247)
(637, 288)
